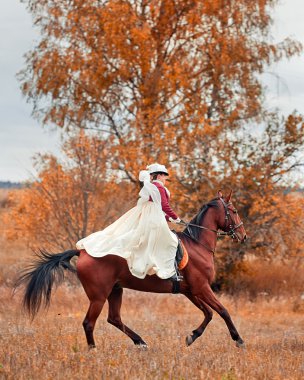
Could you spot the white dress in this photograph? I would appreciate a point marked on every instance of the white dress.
(141, 236)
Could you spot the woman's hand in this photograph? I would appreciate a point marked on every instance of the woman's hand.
(175, 221)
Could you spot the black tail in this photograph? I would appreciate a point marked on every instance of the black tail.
(41, 276)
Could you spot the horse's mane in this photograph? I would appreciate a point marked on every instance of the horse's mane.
(198, 219)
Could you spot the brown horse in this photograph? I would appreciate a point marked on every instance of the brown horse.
(104, 278)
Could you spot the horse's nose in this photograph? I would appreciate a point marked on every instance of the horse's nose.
(244, 238)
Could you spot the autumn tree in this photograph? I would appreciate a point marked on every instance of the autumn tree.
(263, 170)
(69, 199)
(149, 72)
(175, 81)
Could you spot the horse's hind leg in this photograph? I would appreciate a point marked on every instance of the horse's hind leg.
(90, 320)
(115, 300)
(208, 317)
(97, 300)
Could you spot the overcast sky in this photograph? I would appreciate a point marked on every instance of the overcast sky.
(21, 136)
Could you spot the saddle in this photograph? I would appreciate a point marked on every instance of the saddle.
(181, 258)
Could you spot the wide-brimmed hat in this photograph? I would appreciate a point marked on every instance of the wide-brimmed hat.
(157, 169)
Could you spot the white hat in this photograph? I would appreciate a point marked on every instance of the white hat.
(157, 168)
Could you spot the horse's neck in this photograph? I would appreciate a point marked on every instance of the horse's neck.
(210, 220)
(209, 237)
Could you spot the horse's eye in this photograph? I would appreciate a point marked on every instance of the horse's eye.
(235, 211)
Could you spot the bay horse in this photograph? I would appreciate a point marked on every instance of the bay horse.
(103, 279)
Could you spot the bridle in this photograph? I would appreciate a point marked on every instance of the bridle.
(229, 228)
(229, 223)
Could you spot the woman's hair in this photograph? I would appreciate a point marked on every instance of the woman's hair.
(156, 174)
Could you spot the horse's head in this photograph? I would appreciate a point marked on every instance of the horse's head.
(229, 220)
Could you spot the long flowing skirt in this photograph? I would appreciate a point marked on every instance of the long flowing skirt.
(141, 236)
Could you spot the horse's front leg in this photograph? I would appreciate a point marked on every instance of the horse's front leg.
(208, 317)
(206, 294)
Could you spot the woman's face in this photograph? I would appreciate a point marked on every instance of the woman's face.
(162, 178)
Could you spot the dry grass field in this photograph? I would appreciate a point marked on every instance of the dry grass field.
(268, 314)
(53, 346)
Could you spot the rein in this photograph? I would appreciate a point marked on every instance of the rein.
(230, 232)
(219, 233)
(197, 241)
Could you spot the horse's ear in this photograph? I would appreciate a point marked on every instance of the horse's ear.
(220, 194)
(229, 196)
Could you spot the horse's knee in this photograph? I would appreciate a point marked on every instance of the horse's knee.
(208, 315)
(224, 313)
(87, 325)
(114, 321)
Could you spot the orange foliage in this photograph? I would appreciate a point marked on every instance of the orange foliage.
(83, 194)
(68, 200)
(173, 81)
(177, 73)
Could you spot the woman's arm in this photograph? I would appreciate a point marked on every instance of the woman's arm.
(166, 206)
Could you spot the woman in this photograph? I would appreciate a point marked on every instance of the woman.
(142, 235)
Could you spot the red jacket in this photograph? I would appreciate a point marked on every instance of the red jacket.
(165, 201)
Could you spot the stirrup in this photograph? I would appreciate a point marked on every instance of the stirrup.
(176, 277)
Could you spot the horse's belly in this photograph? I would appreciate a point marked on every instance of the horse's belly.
(152, 284)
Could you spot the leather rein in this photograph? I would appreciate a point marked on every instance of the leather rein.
(229, 224)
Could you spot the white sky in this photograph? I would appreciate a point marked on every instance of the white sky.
(21, 136)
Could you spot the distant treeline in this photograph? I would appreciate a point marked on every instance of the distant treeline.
(10, 185)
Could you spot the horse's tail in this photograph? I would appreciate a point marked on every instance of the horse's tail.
(40, 277)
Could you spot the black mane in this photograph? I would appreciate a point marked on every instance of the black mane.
(198, 219)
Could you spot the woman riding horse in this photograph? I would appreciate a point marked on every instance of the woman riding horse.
(142, 235)
(103, 278)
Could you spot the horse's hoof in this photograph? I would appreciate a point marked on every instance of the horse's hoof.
(240, 344)
(189, 340)
(142, 346)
